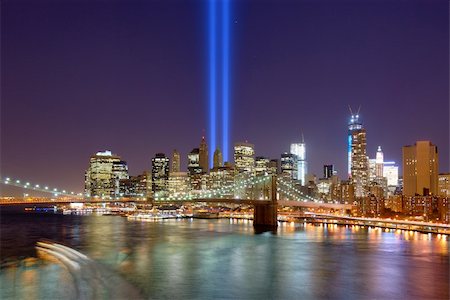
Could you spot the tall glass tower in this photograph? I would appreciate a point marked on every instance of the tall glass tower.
(299, 149)
(353, 125)
(357, 155)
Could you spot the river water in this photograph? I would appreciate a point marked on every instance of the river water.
(226, 259)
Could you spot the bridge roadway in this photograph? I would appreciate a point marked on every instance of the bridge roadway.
(290, 203)
(42, 200)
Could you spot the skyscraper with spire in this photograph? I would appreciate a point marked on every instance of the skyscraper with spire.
(299, 149)
(203, 155)
(358, 166)
(353, 125)
(175, 167)
(379, 163)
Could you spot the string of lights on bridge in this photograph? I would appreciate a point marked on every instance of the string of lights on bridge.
(39, 188)
(219, 192)
(291, 190)
(284, 187)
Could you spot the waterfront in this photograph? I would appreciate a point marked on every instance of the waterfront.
(225, 258)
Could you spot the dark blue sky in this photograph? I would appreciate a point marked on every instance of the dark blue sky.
(130, 76)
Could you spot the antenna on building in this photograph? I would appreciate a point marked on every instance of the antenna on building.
(359, 108)
(350, 109)
(203, 133)
(303, 138)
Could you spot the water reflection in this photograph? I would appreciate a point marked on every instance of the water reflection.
(210, 258)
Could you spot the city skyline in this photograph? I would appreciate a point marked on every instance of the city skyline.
(183, 161)
(53, 109)
(233, 149)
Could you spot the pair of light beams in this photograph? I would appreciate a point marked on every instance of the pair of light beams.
(219, 75)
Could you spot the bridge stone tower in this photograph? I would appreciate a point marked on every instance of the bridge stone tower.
(265, 213)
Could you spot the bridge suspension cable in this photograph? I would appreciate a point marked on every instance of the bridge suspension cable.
(291, 190)
(39, 188)
(284, 187)
(216, 193)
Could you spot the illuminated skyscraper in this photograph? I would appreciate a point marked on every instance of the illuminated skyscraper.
(444, 185)
(379, 160)
(372, 169)
(160, 174)
(195, 171)
(274, 167)
(390, 172)
(328, 171)
(420, 169)
(217, 159)
(104, 174)
(289, 165)
(178, 183)
(194, 162)
(244, 158)
(299, 149)
(175, 166)
(261, 166)
(203, 156)
(353, 125)
(223, 177)
(357, 156)
(137, 186)
(119, 171)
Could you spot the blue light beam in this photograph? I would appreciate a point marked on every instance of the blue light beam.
(212, 39)
(225, 76)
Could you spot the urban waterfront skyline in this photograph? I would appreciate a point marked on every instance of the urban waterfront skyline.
(201, 149)
(296, 67)
(363, 164)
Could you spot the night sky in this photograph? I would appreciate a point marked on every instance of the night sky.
(131, 76)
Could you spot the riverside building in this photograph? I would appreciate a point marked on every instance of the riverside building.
(102, 178)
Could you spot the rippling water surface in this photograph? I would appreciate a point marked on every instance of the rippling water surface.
(204, 259)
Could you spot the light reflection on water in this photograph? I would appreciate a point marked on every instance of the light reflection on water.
(211, 258)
